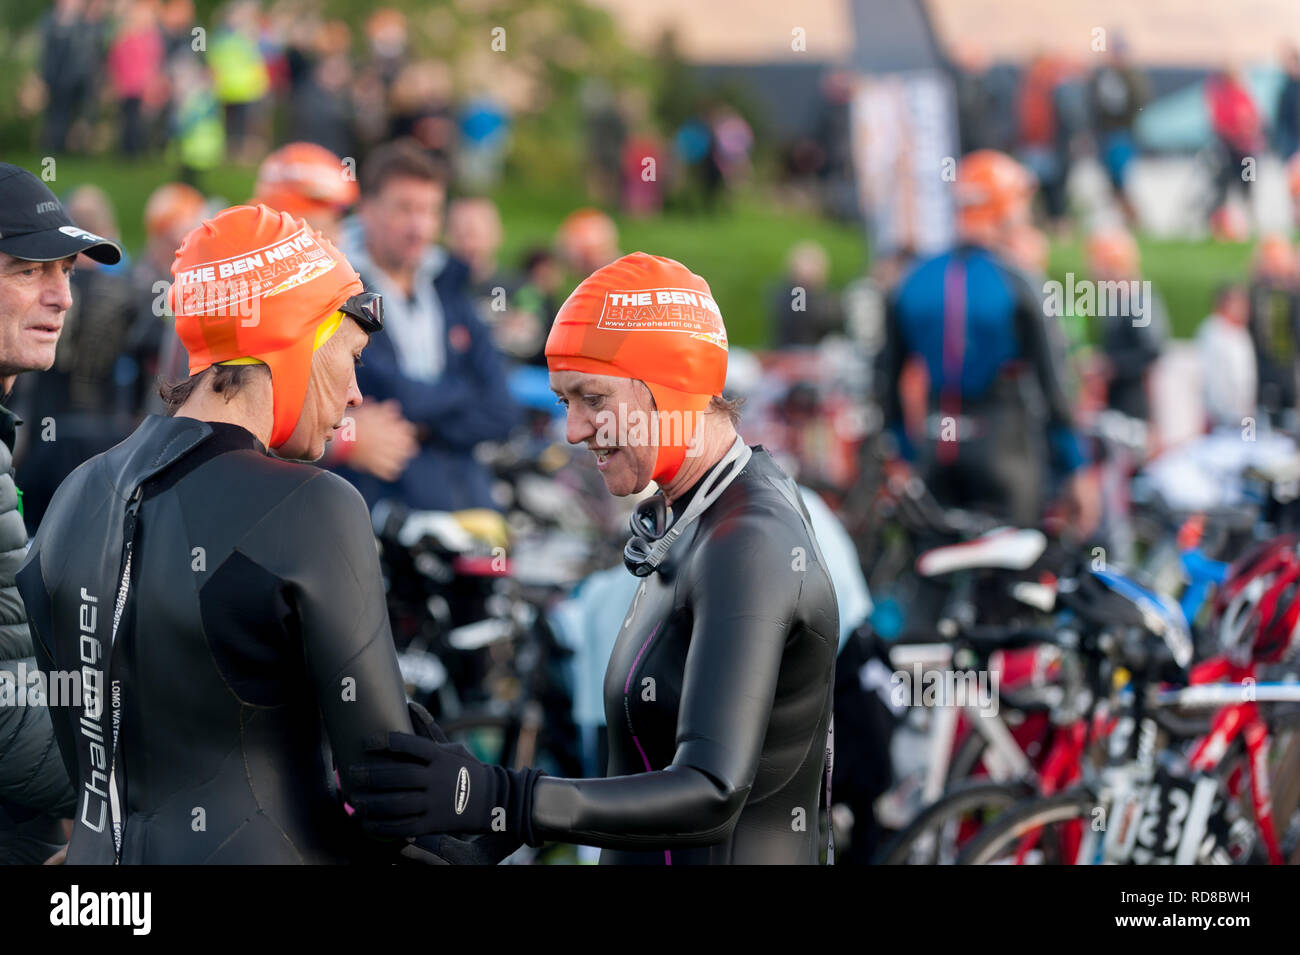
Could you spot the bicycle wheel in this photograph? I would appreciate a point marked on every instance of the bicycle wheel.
(1245, 844)
(1285, 784)
(1040, 831)
(937, 834)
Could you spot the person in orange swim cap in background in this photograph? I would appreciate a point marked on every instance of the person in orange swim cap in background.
(308, 182)
(173, 210)
(311, 183)
(587, 240)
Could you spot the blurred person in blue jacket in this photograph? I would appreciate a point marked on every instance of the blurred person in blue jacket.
(998, 428)
(438, 362)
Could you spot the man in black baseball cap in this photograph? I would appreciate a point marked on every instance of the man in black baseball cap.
(38, 246)
(35, 227)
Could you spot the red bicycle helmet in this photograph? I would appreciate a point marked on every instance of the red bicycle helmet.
(1255, 609)
(1259, 560)
(1276, 617)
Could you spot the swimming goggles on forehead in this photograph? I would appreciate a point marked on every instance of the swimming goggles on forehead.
(367, 309)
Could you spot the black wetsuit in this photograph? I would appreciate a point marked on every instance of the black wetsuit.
(718, 695)
(255, 633)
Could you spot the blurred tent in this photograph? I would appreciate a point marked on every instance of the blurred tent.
(1180, 121)
(904, 127)
(893, 36)
(1204, 33)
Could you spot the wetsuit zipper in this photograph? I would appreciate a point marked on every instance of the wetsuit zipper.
(119, 609)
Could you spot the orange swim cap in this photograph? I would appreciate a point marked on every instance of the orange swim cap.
(304, 178)
(647, 317)
(170, 205)
(992, 190)
(255, 283)
(1274, 256)
(1112, 251)
(588, 239)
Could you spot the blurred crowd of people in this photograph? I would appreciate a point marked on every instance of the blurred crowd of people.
(1002, 396)
(633, 166)
(1057, 110)
(465, 320)
(461, 321)
(148, 73)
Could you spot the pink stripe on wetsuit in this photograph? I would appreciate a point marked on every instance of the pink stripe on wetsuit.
(668, 856)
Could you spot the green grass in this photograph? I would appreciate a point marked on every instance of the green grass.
(741, 252)
(129, 183)
(1184, 273)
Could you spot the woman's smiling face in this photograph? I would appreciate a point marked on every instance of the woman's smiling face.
(612, 417)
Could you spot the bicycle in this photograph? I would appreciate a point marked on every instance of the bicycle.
(1054, 760)
(1147, 806)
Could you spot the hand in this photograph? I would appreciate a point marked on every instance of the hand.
(448, 850)
(519, 333)
(1083, 501)
(59, 858)
(412, 785)
(382, 441)
(897, 473)
(487, 849)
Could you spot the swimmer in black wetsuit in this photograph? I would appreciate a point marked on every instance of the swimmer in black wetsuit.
(718, 693)
(253, 627)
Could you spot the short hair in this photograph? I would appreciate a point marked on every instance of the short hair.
(728, 406)
(226, 380)
(399, 159)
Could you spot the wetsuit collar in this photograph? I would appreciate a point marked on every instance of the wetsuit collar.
(236, 437)
(652, 537)
(682, 502)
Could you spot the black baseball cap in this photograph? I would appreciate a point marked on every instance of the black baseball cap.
(35, 226)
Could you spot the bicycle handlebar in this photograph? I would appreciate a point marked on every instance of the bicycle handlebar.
(986, 639)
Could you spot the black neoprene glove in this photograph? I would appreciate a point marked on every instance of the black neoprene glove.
(414, 785)
(487, 849)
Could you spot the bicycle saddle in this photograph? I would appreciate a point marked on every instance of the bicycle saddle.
(1004, 548)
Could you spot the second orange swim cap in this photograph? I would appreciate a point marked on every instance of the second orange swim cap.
(644, 316)
(254, 283)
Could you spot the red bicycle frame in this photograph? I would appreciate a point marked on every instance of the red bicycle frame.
(1229, 723)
